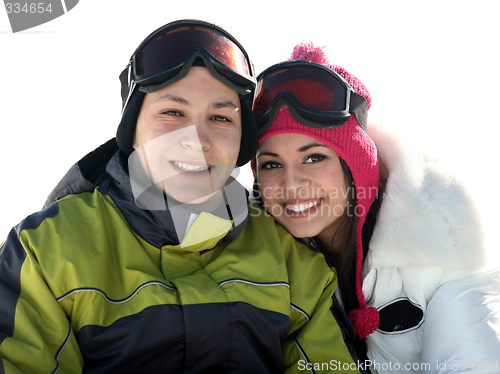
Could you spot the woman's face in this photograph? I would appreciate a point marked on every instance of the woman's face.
(302, 184)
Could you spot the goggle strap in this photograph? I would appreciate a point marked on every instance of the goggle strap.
(296, 115)
(184, 70)
(359, 106)
(125, 79)
(130, 92)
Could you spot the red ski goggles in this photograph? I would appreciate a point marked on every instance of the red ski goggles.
(316, 96)
(168, 53)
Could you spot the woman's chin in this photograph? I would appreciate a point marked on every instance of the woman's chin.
(301, 230)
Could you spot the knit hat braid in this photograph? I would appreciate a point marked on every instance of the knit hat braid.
(353, 145)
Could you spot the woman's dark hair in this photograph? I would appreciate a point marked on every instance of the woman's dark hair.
(344, 258)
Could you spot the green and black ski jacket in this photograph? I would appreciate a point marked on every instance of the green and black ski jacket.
(95, 284)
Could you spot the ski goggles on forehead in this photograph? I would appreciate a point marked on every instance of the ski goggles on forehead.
(316, 96)
(168, 53)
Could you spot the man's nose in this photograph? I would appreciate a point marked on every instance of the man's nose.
(197, 136)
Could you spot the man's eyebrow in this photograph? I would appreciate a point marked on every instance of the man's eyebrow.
(170, 97)
(225, 104)
(181, 100)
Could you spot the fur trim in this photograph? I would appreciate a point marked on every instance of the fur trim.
(427, 217)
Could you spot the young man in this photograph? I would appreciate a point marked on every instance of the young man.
(146, 258)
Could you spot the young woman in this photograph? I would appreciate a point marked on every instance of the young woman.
(402, 234)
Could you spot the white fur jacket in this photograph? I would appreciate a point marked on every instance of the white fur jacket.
(426, 272)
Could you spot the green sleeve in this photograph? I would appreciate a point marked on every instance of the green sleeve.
(35, 334)
(315, 343)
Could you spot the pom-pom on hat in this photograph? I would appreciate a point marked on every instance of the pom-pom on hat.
(353, 145)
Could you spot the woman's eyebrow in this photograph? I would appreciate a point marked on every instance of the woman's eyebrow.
(267, 154)
(301, 149)
(309, 146)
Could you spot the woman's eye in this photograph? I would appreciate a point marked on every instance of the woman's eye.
(270, 165)
(314, 158)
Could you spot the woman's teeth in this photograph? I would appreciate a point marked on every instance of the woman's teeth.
(301, 207)
(191, 168)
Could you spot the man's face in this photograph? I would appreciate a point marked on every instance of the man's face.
(188, 136)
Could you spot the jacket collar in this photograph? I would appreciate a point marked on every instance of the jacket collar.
(163, 221)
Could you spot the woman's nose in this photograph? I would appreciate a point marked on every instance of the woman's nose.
(293, 181)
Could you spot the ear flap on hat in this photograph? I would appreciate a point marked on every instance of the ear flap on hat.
(126, 128)
(249, 138)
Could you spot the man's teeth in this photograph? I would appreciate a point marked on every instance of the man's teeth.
(191, 168)
(301, 207)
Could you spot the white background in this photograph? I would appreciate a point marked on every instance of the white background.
(432, 68)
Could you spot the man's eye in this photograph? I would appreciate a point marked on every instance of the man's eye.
(221, 119)
(270, 165)
(172, 113)
(314, 158)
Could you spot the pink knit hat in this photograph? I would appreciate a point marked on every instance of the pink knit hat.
(354, 146)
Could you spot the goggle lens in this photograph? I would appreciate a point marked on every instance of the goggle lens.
(169, 46)
(312, 87)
